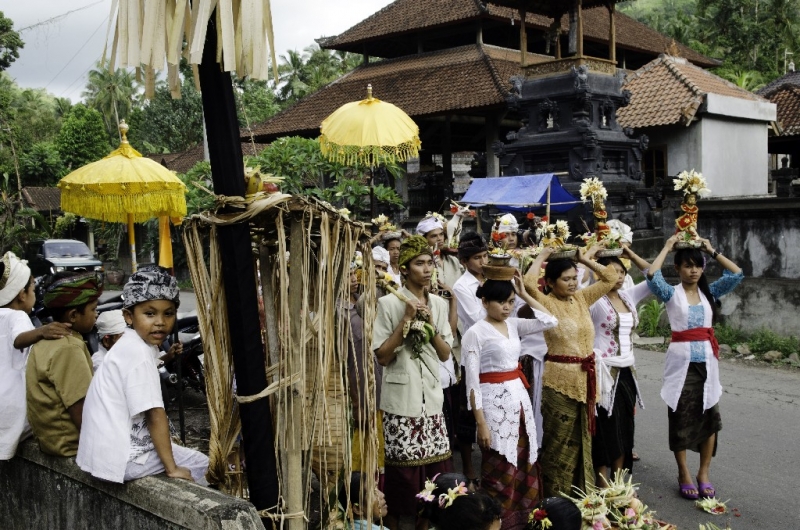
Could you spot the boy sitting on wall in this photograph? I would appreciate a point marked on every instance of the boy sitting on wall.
(59, 371)
(125, 434)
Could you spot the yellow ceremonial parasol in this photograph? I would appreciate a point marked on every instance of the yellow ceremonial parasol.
(125, 187)
(369, 132)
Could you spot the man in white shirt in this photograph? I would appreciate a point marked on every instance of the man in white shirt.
(473, 254)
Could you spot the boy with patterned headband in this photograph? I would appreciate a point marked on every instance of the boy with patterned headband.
(125, 435)
(59, 371)
(17, 334)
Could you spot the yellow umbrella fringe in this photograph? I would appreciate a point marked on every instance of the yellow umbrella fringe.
(370, 155)
(115, 208)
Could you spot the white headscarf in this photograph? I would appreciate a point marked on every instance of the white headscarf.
(110, 323)
(428, 224)
(508, 224)
(380, 254)
(15, 278)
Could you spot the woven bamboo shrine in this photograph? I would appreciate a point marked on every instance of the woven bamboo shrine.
(303, 251)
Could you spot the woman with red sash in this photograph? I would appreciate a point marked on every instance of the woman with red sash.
(691, 387)
(569, 383)
(498, 396)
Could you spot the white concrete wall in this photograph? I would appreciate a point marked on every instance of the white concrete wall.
(733, 158)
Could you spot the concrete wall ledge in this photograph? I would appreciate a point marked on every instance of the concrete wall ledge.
(41, 491)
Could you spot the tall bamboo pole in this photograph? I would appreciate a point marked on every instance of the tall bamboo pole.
(293, 460)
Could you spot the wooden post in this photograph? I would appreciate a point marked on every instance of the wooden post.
(580, 28)
(549, 187)
(612, 32)
(523, 36)
(294, 452)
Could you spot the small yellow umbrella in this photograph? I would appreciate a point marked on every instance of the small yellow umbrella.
(370, 132)
(125, 187)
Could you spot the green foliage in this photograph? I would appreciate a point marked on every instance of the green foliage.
(765, 340)
(729, 335)
(302, 73)
(64, 224)
(308, 172)
(164, 124)
(10, 42)
(255, 101)
(108, 237)
(41, 165)
(82, 138)
(748, 36)
(113, 94)
(649, 318)
(196, 179)
(18, 224)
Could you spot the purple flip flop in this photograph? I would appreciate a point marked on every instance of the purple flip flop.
(704, 487)
(686, 491)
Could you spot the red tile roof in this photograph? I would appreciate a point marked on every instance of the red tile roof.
(42, 199)
(467, 78)
(408, 16)
(787, 98)
(670, 90)
(185, 160)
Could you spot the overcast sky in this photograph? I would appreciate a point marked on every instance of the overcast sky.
(58, 54)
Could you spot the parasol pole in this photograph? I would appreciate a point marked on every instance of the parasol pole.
(132, 242)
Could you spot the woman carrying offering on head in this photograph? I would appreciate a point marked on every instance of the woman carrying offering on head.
(411, 335)
(615, 318)
(497, 394)
(691, 387)
(569, 393)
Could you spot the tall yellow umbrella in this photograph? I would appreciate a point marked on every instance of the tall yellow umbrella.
(125, 187)
(369, 132)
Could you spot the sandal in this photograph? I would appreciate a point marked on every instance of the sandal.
(706, 490)
(689, 491)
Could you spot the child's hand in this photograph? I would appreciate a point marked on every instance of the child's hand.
(175, 349)
(181, 473)
(55, 330)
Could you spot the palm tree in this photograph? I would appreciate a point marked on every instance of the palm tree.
(113, 94)
(293, 76)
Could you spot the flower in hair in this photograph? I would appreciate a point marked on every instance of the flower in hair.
(539, 519)
(427, 493)
(446, 499)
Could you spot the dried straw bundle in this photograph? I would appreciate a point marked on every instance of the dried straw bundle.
(307, 337)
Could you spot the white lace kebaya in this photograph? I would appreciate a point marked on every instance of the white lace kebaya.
(486, 350)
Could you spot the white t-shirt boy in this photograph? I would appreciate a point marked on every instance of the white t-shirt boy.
(13, 416)
(114, 430)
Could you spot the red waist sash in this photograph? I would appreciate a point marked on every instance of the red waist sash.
(587, 365)
(698, 335)
(500, 377)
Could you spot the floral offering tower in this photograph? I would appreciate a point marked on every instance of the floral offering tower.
(693, 186)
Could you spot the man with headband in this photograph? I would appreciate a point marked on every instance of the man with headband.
(410, 336)
(17, 334)
(59, 371)
(125, 435)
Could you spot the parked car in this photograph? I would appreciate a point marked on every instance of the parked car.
(50, 256)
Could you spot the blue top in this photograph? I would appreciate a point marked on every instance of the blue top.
(664, 291)
(361, 524)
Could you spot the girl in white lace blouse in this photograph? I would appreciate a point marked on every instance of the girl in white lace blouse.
(497, 395)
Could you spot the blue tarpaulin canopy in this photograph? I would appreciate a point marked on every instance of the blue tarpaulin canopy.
(519, 194)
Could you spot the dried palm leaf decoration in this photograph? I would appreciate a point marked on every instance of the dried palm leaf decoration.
(149, 35)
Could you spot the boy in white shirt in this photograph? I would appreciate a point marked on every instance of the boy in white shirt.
(17, 334)
(125, 432)
(110, 327)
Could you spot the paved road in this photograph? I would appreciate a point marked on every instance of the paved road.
(756, 466)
